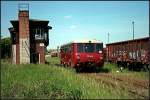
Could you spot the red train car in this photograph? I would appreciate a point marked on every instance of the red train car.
(132, 53)
(79, 54)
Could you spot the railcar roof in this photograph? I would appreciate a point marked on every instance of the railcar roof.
(82, 41)
(144, 38)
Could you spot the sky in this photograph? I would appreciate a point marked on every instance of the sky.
(73, 20)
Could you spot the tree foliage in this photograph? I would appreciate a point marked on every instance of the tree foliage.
(5, 47)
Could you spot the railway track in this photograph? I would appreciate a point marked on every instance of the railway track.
(136, 87)
(136, 82)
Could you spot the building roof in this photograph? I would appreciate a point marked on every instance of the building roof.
(144, 38)
(32, 22)
(36, 20)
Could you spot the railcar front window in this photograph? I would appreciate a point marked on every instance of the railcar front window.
(80, 47)
(89, 47)
(99, 47)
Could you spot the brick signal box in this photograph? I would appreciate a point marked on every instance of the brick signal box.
(29, 38)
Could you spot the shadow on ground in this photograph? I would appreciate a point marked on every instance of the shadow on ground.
(92, 70)
(47, 62)
(59, 65)
(85, 69)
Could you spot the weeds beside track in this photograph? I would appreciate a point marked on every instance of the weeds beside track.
(52, 81)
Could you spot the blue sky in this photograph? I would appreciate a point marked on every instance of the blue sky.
(72, 20)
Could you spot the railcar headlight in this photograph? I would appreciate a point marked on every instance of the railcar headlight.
(101, 57)
(78, 56)
(100, 51)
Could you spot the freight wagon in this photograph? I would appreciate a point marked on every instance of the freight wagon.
(79, 54)
(132, 54)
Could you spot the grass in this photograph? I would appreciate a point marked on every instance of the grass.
(53, 82)
(113, 69)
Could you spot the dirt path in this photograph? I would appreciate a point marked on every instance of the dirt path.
(136, 87)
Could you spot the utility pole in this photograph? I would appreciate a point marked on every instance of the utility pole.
(149, 51)
(108, 49)
(133, 29)
(57, 51)
(133, 36)
(108, 37)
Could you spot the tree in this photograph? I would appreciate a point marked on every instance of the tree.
(5, 47)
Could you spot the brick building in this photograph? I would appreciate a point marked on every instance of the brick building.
(30, 37)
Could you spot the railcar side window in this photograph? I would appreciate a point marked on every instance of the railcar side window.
(99, 47)
(80, 47)
(89, 47)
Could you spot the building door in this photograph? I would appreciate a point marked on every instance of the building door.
(35, 57)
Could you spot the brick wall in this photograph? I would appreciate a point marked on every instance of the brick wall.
(24, 42)
(41, 50)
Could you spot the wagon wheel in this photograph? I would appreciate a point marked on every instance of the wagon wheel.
(96, 68)
(67, 65)
(72, 64)
(78, 69)
(148, 67)
(64, 65)
(145, 67)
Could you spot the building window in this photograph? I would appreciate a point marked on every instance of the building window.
(39, 34)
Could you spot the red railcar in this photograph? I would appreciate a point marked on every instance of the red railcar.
(79, 54)
(132, 53)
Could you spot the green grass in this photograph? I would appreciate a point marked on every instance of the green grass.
(113, 69)
(51, 81)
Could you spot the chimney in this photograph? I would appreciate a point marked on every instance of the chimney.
(24, 42)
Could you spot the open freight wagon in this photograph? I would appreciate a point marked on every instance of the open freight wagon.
(132, 54)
